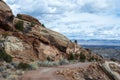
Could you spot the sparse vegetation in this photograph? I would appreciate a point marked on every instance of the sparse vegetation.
(47, 63)
(71, 56)
(45, 31)
(77, 56)
(82, 57)
(63, 61)
(43, 25)
(24, 66)
(19, 16)
(19, 25)
(32, 24)
(91, 59)
(4, 56)
(5, 34)
(49, 59)
(113, 59)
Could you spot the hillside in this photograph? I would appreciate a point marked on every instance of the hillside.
(26, 39)
(26, 44)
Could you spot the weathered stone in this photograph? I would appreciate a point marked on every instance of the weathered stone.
(28, 18)
(6, 16)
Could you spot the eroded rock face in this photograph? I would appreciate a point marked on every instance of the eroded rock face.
(28, 18)
(6, 16)
(31, 41)
(18, 49)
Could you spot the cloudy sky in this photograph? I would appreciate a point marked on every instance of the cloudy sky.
(77, 19)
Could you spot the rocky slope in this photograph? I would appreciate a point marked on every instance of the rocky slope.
(25, 39)
(6, 16)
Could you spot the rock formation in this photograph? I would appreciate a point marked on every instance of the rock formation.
(31, 41)
(24, 40)
(6, 17)
(28, 18)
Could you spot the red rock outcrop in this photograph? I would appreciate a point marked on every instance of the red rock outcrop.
(6, 16)
(33, 41)
(28, 18)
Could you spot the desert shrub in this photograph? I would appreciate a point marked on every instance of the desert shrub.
(49, 59)
(48, 63)
(5, 75)
(19, 25)
(91, 59)
(71, 56)
(24, 66)
(43, 63)
(2, 69)
(45, 31)
(56, 63)
(82, 57)
(19, 16)
(113, 59)
(15, 63)
(77, 56)
(43, 25)
(34, 65)
(32, 24)
(5, 34)
(4, 56)
(63, 61)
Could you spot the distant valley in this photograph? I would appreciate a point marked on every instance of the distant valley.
(99, 42)
(109, 49)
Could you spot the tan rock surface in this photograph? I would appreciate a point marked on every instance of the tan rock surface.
(34, 42)
(6, 16)
(28, 18)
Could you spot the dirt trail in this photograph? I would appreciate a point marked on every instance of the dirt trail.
(46, 73)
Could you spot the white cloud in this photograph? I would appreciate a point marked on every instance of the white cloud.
(75, 18)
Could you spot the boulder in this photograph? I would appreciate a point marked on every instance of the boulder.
(6, 16)
(28, 18)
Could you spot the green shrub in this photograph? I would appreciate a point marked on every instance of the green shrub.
(82, 57)
(45, 31)
(4, 56)
(34, 65)
(49, 59)
(77, 56)
(63, 61)
(24, 66)
(71, 56)
(19, 16)
(43, 25)
(91, 59)
(113, 59)
(32, 24)
(47, 64)
(5, 34)
(19, 25)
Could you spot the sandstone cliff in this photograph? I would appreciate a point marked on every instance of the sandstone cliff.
(29, 40)
(24, 39)
(6, 16)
